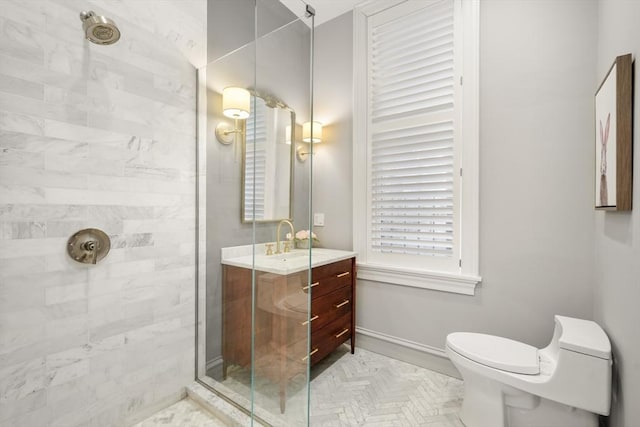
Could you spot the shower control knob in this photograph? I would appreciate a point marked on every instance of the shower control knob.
(89, 246)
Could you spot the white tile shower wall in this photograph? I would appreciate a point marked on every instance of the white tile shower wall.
(95, 136)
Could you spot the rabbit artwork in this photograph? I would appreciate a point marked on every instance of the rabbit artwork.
(604, 137)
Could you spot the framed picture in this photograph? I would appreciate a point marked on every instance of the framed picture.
(614, 133)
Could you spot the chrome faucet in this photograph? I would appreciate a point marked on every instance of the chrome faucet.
(293, 233)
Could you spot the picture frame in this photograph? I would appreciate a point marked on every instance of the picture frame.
(614, 137)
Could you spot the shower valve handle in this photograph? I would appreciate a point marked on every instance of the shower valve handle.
(90, 245)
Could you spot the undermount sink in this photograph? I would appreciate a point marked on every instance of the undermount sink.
(285, 263)
(284, 257)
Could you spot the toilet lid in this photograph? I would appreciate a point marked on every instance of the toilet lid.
(497, 352)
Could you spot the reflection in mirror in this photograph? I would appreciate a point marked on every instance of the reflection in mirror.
(267, 178)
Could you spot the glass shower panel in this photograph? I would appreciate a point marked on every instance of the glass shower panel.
(282, 292)
(253, 309)
(225, 315)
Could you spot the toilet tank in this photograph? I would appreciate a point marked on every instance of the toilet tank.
(583, 336)
(582, 376)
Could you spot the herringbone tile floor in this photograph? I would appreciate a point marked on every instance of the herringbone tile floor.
(367, 389)
(364, 389)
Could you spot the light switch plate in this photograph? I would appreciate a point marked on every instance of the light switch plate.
(318, 220)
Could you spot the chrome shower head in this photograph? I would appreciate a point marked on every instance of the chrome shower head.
(98, 29)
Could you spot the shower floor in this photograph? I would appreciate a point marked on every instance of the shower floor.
(365, 389)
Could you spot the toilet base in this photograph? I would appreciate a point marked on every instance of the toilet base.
(550, 414)
(488, 403)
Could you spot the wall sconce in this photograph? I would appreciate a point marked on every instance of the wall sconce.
(236, 104)
(317, 132)
(309, 137)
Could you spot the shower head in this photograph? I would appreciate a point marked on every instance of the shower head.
(98, 29)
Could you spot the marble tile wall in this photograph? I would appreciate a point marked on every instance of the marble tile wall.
(96, 136)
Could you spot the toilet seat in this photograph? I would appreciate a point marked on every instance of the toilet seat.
(496, 352)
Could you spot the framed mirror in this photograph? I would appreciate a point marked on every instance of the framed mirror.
(267, 161)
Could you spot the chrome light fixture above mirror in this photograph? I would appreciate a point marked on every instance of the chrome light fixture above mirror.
(236, 104)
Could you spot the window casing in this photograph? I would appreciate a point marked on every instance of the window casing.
(415, 129)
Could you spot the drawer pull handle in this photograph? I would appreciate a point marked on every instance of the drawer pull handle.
(310, 354)
(345, 302)
(311, 286)
(306, 322)
(346, 273)
(342, 333)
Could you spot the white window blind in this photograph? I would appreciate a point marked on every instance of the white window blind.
(413, 206)
(412, 63)
(255, 163)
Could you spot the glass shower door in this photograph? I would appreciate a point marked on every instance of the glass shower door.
(253, 320)
(281, 315)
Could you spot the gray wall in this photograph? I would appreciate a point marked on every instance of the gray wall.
(537, 62)
(617, 234)
(95, 136)
(332, 161)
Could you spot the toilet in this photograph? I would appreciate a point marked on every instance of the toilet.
(512, 384)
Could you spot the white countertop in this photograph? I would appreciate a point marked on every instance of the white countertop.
(285, 263)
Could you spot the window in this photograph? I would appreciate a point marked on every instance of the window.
(416, 222)
(255, 168)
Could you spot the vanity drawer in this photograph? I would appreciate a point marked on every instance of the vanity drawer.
(333, 269)
(327, 278)
(330, 307)
(329, 337)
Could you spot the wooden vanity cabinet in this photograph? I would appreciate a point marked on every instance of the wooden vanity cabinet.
(333, 295)
(282, 318)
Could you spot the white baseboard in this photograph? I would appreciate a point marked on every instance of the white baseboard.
(422, 355)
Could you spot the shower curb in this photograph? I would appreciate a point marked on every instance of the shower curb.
(216, 406)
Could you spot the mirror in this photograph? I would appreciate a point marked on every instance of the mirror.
(267, 161)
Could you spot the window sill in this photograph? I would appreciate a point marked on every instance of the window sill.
(438, 281)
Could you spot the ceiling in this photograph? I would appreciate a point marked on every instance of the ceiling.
(326, 10)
